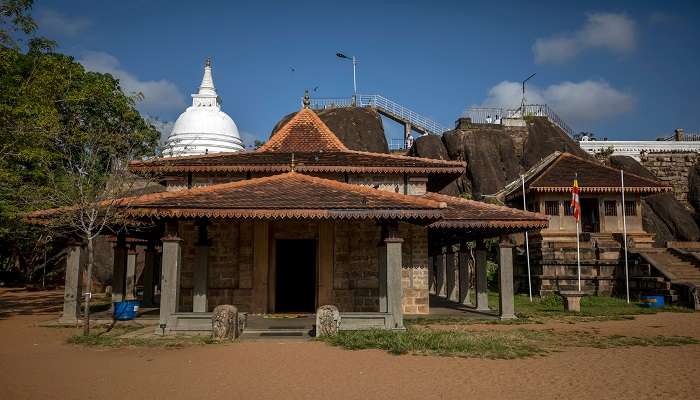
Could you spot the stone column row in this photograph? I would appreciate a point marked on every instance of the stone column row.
(452, 279)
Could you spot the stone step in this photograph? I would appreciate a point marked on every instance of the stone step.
(276, 334)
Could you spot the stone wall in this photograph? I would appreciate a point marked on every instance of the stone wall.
(672, 168)
(554, 264)
(415, 268)
(356, 266)
(230, 263)
(355, 258)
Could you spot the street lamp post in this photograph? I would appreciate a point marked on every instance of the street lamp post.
(522, 105)
(354, 74)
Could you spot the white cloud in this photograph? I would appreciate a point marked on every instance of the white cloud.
(158, 96)
(578, 103)
(614, 32)
(54, 22)
(164, 127)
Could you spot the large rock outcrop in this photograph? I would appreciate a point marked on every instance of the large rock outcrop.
(489, 154)
(497, 154)
(694, 188)
(543, 139)
(629, 164)
(668, 210)
(359, 128)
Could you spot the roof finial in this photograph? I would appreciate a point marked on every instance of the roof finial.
(207, 62)
(307, 100)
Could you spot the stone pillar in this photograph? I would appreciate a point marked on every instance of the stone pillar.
(170, 283)
(431, 275)
(482, 296)
(261, 266)
(71, 296)
(381, 249)
(326, 239)
(119, 269)
(452, 287)
(394, 281)
(149, 274)
(201, 269)
(440, 274)
(130, 291)
(464, 277)
(505, 261)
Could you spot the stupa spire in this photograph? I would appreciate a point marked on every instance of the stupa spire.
(207, 86)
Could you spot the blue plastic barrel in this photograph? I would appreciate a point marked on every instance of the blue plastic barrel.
(651, 301)
(125, 310)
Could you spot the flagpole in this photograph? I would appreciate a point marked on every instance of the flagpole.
(578, 256)
(624, 234)
(527, 244)
(577, 216)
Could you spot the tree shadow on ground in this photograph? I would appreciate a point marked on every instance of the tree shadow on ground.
(20, 301)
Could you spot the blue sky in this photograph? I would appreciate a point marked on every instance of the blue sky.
(623, 70)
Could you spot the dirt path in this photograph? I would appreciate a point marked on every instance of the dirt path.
(36, 363)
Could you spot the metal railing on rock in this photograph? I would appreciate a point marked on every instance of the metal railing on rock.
(385, 107)
(495, 115)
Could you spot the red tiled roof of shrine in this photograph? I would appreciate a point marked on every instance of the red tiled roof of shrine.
(304, 132)
(336, 161)
(556, 173)
(476, 215)
(315, 148)
(288, 195)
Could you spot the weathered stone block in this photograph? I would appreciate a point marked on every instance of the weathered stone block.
(327, 321)
(224, 323)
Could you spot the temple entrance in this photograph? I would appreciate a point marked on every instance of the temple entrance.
(295, 286)
(590, 221)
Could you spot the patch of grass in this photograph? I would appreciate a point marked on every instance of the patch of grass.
(114, 339)
(458, 320)
(511, 344)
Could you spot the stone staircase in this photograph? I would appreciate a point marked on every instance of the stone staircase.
(259, 327)
(676, 265)
(672, 272)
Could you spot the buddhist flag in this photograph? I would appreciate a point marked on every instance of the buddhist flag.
(575, 203)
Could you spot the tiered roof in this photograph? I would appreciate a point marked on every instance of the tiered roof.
(305, 144)
(556, 173)
(288, 195)
(475, 215)
(315, 149)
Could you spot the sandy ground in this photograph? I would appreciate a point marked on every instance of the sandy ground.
(36, 363)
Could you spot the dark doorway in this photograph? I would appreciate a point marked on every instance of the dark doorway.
(590, 221)
(295, 285)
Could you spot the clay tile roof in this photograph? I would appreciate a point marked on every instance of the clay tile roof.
(273, 161)
(556, 174)
(476, 215)
(315, 149)
(288, 195)
(305, 132)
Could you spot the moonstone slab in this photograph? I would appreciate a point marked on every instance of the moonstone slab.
(327, 321)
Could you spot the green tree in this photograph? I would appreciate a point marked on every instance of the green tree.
(51, 107)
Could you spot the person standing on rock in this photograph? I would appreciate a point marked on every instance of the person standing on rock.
(409, 141)
(488, 119)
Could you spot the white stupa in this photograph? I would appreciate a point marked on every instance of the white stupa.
(203, 128)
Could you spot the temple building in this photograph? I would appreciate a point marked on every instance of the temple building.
(303, 222)
(203, 128)
(547, 189)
